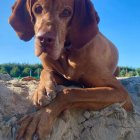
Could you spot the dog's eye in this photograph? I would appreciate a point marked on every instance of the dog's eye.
(38, 9)
(66, 13)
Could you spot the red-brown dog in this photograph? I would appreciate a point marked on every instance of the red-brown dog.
(72, 51)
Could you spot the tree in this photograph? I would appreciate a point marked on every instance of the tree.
(3, 70)
(15, 72)
(37, 72)
(131, 73)
(138, 71)
(122, 73)
(7, 67)
(26, 72)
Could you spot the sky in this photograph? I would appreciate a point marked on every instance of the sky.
(119, 21)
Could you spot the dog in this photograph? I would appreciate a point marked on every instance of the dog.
(73, 52)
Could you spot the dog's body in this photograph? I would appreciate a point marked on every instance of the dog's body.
(98, 55)
(72, 51)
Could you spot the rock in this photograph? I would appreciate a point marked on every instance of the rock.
(5, 77)
(87, 114)
(28, 78)
(111, 123)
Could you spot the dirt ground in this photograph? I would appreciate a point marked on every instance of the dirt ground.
(111, 123)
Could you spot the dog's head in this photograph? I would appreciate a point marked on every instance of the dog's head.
(54, 23)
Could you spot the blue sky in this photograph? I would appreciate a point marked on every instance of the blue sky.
(120, 22)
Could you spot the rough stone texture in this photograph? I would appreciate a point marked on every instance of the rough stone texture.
(111, 123)
(5, 77)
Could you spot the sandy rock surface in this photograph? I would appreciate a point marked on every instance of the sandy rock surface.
(111, 123)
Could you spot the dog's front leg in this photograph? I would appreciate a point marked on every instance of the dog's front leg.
(46, 89)
(96, 98)
(99, 97)
(38, 125)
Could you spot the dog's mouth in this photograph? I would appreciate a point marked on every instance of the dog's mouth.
(49, 48)
(67, 45)
(40, 48)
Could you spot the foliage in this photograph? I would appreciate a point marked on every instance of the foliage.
(15, 71)
(21, 70)
(26, 71)
(129, 72)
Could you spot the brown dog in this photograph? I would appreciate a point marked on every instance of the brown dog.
(72, 51)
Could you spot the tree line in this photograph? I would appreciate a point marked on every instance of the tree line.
(129, 72)
(23, 70)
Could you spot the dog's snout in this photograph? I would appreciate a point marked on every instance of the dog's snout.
(46, 38)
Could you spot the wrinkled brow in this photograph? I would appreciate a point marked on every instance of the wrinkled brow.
(56, 4)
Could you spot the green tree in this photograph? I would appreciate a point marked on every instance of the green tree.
(138, 71)
(7, 67)
(26, 72)
(131, 73)
(37, 72)
(122, 73)
(3, 70)
(15, 72)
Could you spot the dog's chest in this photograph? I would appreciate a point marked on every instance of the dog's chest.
(71, 67)
(71, 70)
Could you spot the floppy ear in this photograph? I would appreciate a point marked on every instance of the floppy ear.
(84, 23)
(97, 17)
(20, 19)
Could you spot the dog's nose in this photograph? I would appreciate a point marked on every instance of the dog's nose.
(46, 38)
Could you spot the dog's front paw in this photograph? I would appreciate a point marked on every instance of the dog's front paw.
(43, 97)
(36, 126)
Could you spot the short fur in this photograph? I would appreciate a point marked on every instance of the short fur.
(73, 52)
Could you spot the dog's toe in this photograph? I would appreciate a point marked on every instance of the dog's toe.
(41, 98)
